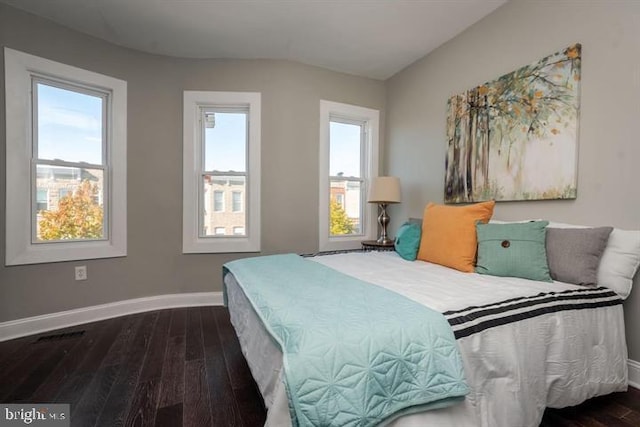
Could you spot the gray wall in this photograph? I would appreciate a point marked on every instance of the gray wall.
(517, 34)
(155, 265)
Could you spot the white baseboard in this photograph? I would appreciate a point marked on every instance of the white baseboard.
(34, 325)
(634, 373)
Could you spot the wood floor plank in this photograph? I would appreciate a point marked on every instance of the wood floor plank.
(95, 396)
(632, 418)
(99, 350)
(610, 420)
(196, 409)
(152, 368)
(224, 408)
(633, 393)
(172, 384)
(143, 408)
(603, 410)
(39, 374)
(178, 321)
(73, 389)
(574, 415)
(210, 334)
(12, 352)
(615, 409)
(114, 412)
(630, 399)
(194, 345)
(142, 411)
(552, 419)
(250, 406)
(245, 391)
(48, 390)
(239, 374)
(586, 421)
(18, 372)
(122, 345)
(169, 416)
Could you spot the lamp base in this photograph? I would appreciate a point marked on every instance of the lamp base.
(383, 221)
(385, 241)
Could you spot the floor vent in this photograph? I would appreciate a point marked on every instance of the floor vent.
(64, 336)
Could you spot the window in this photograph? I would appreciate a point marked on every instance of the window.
(63, 192)
(348, 160)
(66, 136)
(69, 142)
(218, 202)
(219, 231)
(221, 157)
(236, 201)
(42, 200)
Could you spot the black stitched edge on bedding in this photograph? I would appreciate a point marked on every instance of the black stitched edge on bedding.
(528, 315)
(541, 294)
(526, 303)
(322, 253)
(539, 308)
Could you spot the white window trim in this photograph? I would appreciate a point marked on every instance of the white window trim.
(191, 241)
(19, 67)
(372, 119)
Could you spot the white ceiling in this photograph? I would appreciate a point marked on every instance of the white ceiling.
(372, 38)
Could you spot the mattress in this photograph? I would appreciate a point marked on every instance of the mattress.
(514, 370)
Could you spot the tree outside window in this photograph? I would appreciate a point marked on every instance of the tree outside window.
(78, 216)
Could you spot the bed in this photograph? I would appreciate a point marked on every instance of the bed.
(495, 323)
(524, 344)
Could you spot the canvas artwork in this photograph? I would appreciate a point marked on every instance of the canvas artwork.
(516, 137)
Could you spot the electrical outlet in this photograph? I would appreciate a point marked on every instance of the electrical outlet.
(81, 272)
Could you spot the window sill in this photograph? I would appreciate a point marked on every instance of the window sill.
(220, 245)
(58, 252)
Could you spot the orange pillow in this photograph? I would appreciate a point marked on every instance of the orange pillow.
(449, 234)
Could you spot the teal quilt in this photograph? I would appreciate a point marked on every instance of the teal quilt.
(354, 354)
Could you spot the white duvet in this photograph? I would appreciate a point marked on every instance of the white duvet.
(514, 371)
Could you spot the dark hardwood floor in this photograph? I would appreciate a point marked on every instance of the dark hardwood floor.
(180, 367)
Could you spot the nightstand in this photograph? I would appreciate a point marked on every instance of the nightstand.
(372, 245)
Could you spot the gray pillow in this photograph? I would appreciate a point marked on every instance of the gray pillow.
(573, 254)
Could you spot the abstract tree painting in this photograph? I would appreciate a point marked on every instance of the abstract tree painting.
(515, 138)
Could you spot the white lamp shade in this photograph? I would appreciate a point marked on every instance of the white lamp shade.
(385, 189)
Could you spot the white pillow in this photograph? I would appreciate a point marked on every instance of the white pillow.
(619, 261)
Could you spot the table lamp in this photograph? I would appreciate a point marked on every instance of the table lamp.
(384, 190)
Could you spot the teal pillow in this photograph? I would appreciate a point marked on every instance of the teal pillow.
(408, 241)
(513, 250)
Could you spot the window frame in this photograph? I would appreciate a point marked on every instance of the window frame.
(193, 152)
(370, 118)
(37, 161)
(21, 72)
